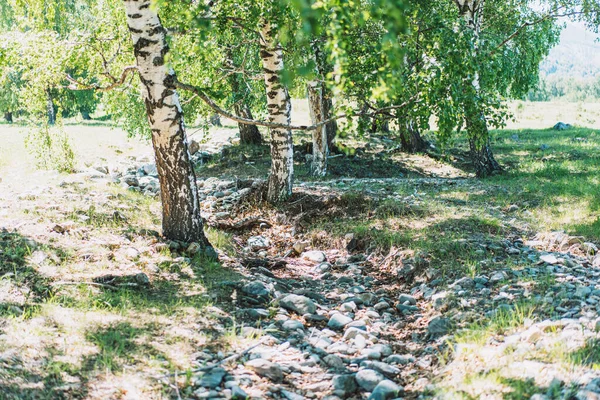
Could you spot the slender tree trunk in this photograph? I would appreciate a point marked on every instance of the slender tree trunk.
(50, 111)
(279, 107)
(482, 157)
(410, 138)
(8, 116)
(319, 136)
(479, 138)
(179, 194)
(249, 134)
(331, 126)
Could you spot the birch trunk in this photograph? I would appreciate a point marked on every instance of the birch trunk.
(50, 111)
(410, 138)
(279, 107)
(249, 134)
(316, 105)
(179, 194)
(479, 139)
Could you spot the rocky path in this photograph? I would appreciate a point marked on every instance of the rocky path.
(343, 323)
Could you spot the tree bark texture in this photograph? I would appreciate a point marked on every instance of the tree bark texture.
(249, 134)
(179, 194)
(279, 107)
(410, 138)
(316, 106)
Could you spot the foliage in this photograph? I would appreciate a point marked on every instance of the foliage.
(51, 147)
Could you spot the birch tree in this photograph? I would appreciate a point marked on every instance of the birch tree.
(179, 193)
(279, 107)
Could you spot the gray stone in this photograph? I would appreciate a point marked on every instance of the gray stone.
(346, 384)
(334, 361)
(382, 367)
(237, 393)
(561, 126)
(291, 395)
(256, 288)
(498, 277)
(266, 369)
(549, 259)
(314, 256)
(338, 321)
(131, 180)
(406, 298)
(582, 292)
(299, 304)
(258, 243)
(400, 359)
(386, 390)
(438, 326)
(142, 279)
(368, 379)
(212, 378)
(352, 332)
(292, 325)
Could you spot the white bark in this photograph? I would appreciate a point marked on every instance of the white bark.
(179, 194)
(279, 107)
(316, 106)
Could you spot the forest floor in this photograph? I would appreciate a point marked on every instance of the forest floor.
(396, 276)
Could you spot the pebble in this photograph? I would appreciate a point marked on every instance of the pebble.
(266, 369)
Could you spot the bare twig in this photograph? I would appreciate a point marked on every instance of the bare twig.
(77, 85)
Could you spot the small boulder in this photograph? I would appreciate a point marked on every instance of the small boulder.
(266, 369)
(438, 326)
(368, 379)
(299, 304)
(386, 390)
(314, 256)
(338, 321)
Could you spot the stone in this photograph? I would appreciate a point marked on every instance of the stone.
(561, 126)
(237, 393)
(299, 247)
(291, 395)
(532, 335)
(498, 277)
(352, 333)
(406, 298)
(314, 256)
(131, 180)
(382, 367)
(334, 361)
(194, 248)
(299, 304)
(582, 292)
(382, 305)
(400, 359)
(212, 378)
(266, 369)
(438, 326)
(386, 390)
(292, 325)
(256, 288)
(142, 278)
(258, 243)
(368, 379)
(338, 321)
(193, 147)
(549, 259)
(346, 384)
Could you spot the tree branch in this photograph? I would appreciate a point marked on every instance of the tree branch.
(77, 85)
(211, 103)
